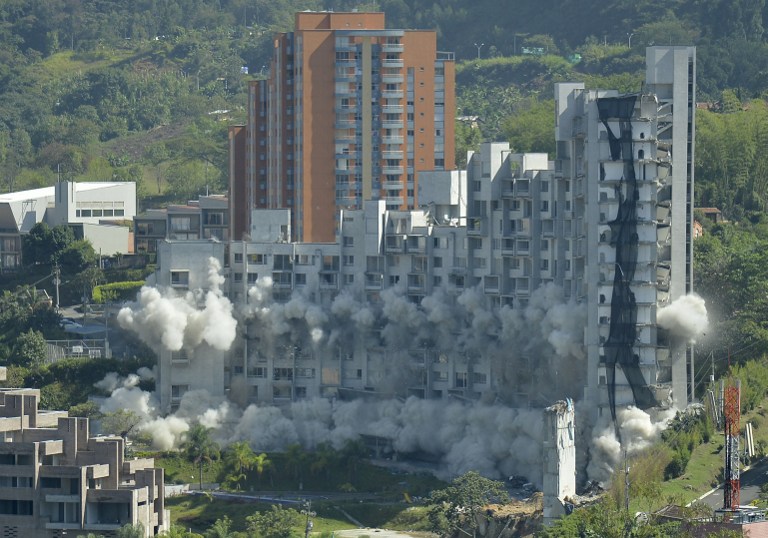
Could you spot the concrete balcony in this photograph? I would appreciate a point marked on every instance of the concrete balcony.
(61, 525)
(62, 498)
(392, 139)
(392, 79)
(477, 226)
(392, 47)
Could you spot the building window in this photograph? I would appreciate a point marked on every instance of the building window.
(349, 280)
(282, 262)
(181, 224)
(461, 380)
(348, 241)
(257, 371)
(282, 374)
(180, 279)
(238, 257)
(301, 279)
(214, 219)
(308, 373)
(177, 391)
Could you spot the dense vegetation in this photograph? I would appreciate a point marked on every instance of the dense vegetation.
(125, 90)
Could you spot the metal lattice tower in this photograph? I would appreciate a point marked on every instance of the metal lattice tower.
(732, 416)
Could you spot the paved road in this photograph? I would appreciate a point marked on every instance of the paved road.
(751, 480)
(373, 533)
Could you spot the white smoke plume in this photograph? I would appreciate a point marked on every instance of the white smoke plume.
(495, 440)
(638, 431)
(685, 317)
(535, 351)
(163, 317)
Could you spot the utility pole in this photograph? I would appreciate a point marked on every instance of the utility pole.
(307, 510)
(626, 481)
(56, 282)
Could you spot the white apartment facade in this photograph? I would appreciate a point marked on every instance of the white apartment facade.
(608, 222)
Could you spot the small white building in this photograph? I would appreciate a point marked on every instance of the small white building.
(94, 209)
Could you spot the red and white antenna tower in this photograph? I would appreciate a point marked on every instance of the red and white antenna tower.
(732, 417)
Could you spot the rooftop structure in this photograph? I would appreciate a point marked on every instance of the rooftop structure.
(204, 218)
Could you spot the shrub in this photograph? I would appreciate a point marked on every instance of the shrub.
(676, 467)
(117, 291)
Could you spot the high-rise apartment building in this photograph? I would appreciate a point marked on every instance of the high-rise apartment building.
(351, 111)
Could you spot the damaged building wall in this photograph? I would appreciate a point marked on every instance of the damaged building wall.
(559, 460)
(635, 193)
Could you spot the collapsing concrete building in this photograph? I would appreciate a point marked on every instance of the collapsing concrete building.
(520, 281)
(631, 160)
(608, 224)
(559, 460)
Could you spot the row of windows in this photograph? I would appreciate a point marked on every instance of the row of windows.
(100, 213)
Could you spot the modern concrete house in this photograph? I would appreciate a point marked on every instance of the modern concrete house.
(57, 480)
(204, 218)
(351, 111)
(95, 210)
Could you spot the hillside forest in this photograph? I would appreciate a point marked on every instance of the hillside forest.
(145, 90)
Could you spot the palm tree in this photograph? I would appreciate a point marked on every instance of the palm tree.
(295, 457)
(200, 448)
(352, 454)
(241, 459)
(262, 463)
(324, 459)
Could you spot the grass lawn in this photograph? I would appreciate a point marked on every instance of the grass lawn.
(701, 473)
(395, 516)
(704, 470)
(199, 512)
